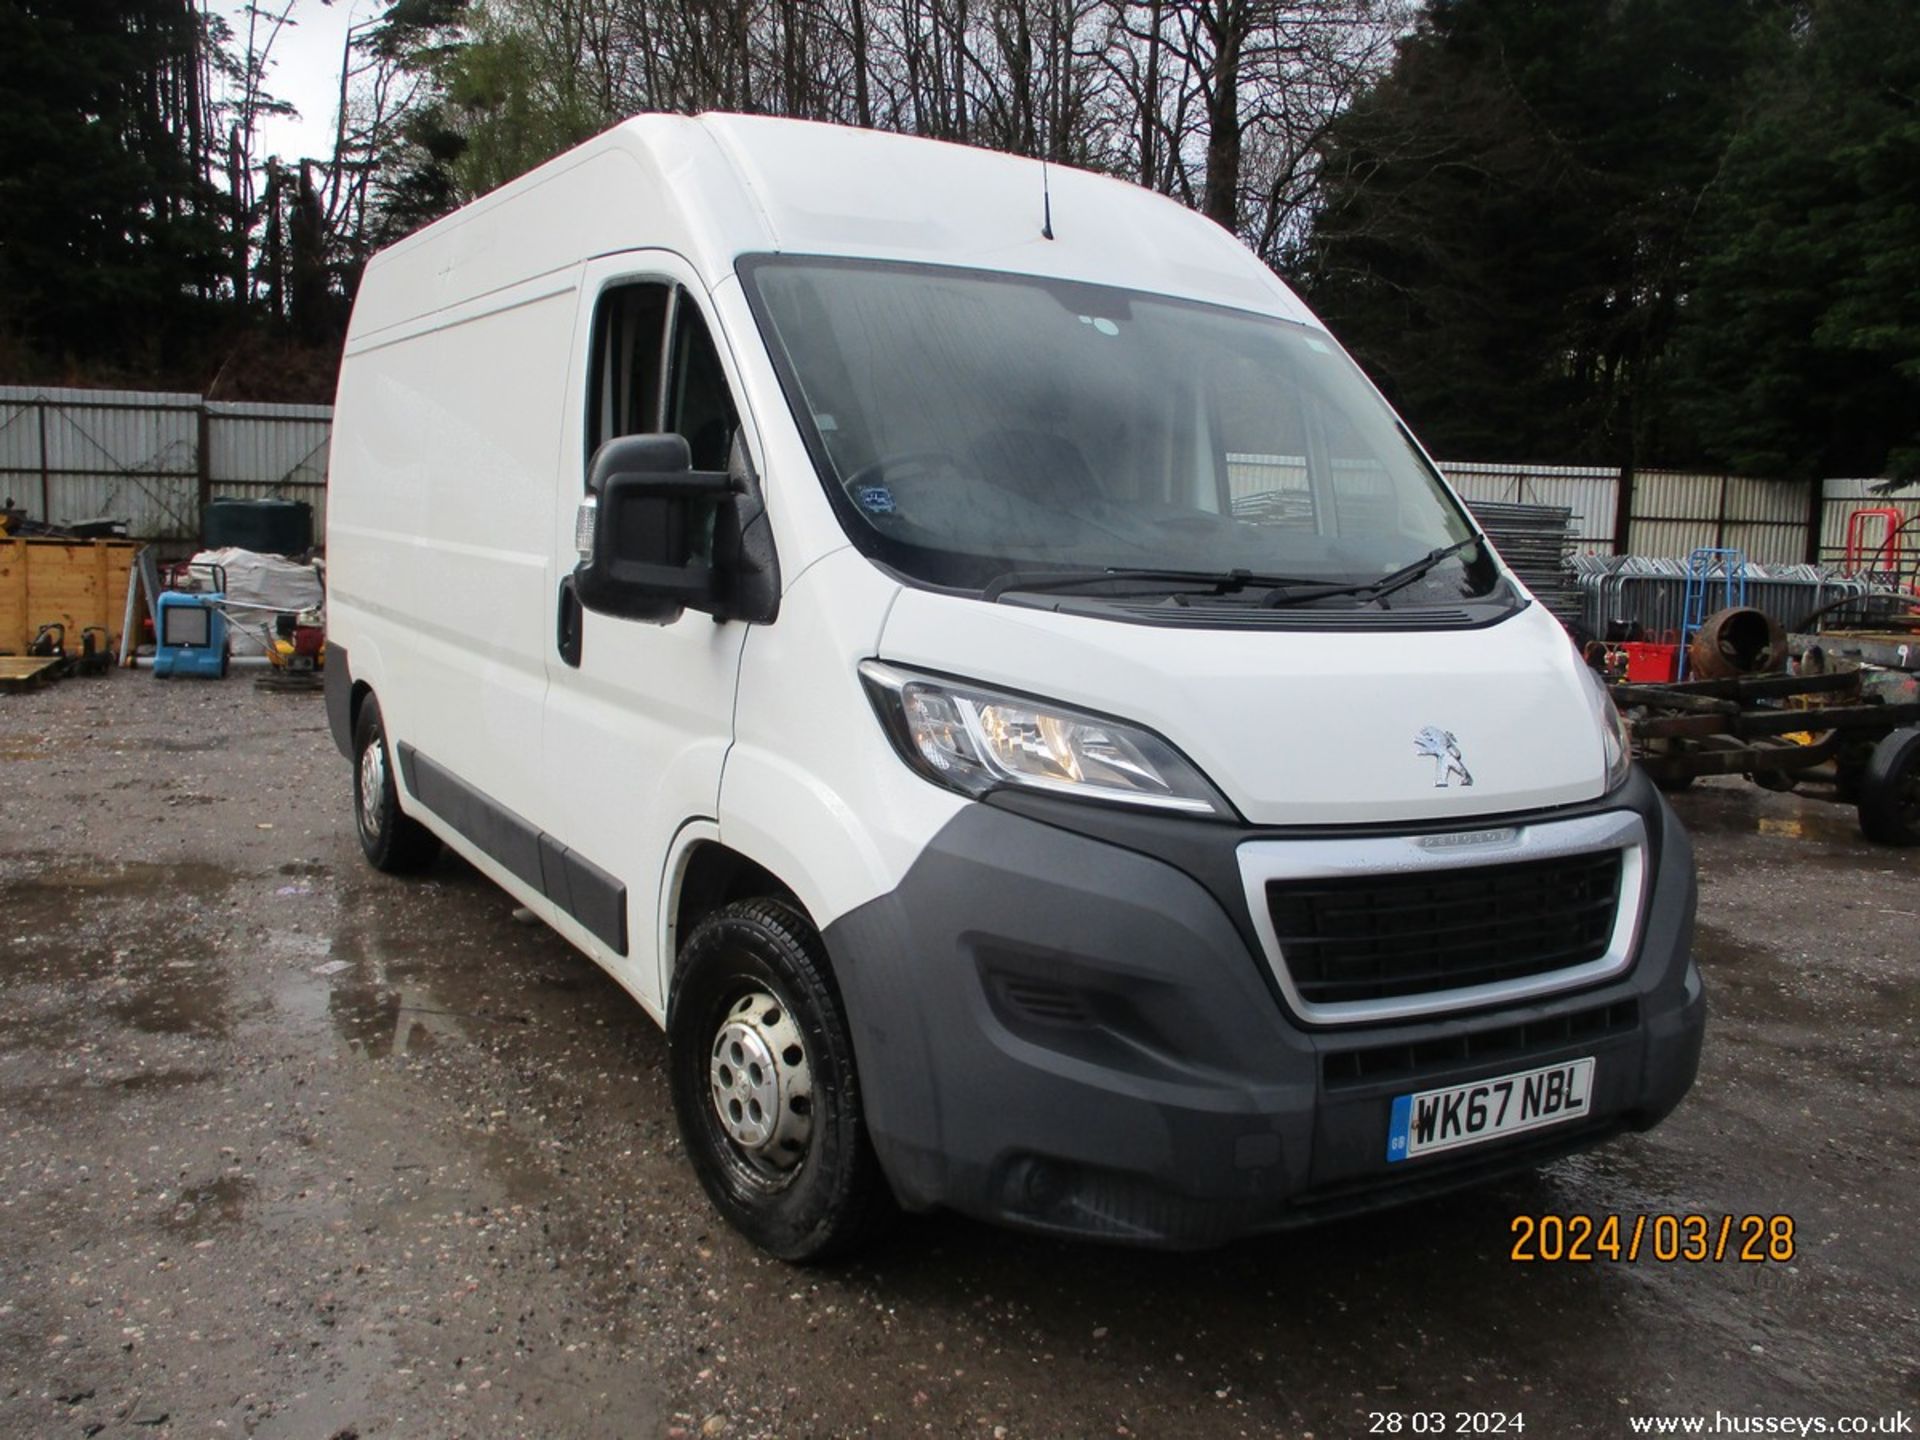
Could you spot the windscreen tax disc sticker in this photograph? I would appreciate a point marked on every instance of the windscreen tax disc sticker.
(875, 499)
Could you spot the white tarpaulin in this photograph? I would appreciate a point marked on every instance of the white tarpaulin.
(260, 587)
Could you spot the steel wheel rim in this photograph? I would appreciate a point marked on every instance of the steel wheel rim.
(373, 784)
(760, 1088)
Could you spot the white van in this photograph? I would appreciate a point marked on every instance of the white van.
(972, 656)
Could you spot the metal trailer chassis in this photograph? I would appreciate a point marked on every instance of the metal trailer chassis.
(1778, 729)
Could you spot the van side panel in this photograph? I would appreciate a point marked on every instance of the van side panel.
(442, 584)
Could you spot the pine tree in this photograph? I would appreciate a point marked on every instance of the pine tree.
(1801, 341)
(108, 238)
(1504, 230)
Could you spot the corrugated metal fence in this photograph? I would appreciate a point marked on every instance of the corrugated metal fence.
(154, 460)
(1674, 512)
(1841, 499)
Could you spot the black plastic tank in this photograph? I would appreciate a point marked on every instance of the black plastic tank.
(272, 527)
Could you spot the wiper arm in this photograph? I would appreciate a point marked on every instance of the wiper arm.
(1371, 589)
(1213, 582)
(1407, 574)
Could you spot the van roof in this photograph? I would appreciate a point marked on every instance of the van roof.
(715, 187)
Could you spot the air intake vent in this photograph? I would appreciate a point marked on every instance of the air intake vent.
(1373, 1064)
(1259, 617)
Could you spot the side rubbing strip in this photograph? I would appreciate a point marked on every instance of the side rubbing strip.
(586, 892)
(599, 902)
(495, 829)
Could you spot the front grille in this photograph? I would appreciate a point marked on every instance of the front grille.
(1378, 937)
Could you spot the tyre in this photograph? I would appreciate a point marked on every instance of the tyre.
(1890, 790)
(391, 842)
(764, 1085)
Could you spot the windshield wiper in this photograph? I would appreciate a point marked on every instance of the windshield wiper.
(1282, 589)
(1371, 589)
(1407, 574)
(1213, 582)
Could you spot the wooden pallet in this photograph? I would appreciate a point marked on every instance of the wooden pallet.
(25, 672)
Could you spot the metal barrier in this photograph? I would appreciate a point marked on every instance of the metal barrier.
(1622, 591)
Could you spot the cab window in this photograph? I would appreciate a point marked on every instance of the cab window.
(655, 370)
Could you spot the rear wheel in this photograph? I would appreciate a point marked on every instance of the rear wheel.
(764, 1085)
(390, 840)
(1890, 790)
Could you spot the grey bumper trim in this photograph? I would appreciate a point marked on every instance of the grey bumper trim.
(1262, 861)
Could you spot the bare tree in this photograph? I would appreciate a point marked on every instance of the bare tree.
(1219, 103)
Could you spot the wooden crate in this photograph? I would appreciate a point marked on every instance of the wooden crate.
(74, 583)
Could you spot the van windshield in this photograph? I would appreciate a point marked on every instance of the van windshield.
(975, 429)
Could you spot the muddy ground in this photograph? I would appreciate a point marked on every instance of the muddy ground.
(288, 1148)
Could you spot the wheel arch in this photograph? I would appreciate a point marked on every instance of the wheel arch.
(345, 690)
(703, 874)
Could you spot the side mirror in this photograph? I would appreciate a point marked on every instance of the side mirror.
(657, 537)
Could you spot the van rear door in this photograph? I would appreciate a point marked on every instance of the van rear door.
(636, 731)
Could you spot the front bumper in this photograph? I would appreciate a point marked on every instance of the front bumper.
(1065, 1034)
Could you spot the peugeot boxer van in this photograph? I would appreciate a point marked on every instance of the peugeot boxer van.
(971, 655)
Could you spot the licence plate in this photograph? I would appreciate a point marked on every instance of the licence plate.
(1457, 1115)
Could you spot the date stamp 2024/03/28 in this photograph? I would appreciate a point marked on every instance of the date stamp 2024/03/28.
(1666, 1237)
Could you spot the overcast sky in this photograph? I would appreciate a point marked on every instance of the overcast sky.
(304, 68)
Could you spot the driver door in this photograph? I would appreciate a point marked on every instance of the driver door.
(639, 716)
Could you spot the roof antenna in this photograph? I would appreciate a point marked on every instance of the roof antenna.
(1046, 203)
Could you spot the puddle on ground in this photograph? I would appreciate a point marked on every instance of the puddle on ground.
(199, 1210)
(1808, 815)
(65, 885)
(124, 940)
(372, 988)
(182, 1005)
(1805, 1020)
(142, 1081)
(378, 1020)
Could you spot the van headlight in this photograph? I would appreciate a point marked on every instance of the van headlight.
(1616, 745)
(972, 739)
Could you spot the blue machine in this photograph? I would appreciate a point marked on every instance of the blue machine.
(190, 632)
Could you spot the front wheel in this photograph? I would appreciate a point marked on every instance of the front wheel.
(1889, 790)
(388, 838)
(764, 1085)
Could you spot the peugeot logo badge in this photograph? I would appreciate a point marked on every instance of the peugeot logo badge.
(1445, 750)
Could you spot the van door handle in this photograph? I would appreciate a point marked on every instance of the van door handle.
(572, 623)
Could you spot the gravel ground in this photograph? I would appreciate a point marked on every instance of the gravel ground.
(288, 1148)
